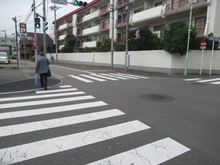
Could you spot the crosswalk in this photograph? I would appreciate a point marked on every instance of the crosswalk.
(41, 103)
(213, 81)
(102, 77)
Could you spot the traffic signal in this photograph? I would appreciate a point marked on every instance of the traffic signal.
(46, 23)
(37, 23)
(79, 3)
(137, 34)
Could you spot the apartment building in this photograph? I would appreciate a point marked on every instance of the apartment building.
(96, 21)
(26, 45)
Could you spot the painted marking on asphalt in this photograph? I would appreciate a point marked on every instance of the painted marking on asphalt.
(135, 76)
(40, 96)
(80, 78)
(118, 77)
(108, 78)
(56, 90)
(65, 86)
(209, 80)
(37, 149)
(216, 83)
(192, 79)
(42, 102)
(57, 109)
(153, 154)
(59, 122)
(93, 78)
(113, 74)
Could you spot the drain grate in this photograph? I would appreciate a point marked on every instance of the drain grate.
(156, 97)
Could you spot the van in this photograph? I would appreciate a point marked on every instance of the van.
(4, 58)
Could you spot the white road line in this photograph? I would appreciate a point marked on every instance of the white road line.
(80, 78)
(57, 109)
(56, 90)
(59, 122)
(118, 77)
(209, 80)
(42, 102)
(124, 76)
(216, 83)
(108, 78)
(37, 149)
(151, 154)
(65, 86)
(41, 96)
(93, 78)
(192, 79)
(130, 75)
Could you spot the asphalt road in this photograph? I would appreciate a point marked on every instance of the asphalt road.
(178, 120)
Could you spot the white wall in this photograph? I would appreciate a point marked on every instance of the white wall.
(154, 61)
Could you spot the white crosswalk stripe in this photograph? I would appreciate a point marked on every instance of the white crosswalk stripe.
(157, 152)
(106, 76)
(214, 81)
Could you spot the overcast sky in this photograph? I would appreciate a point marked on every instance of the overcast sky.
(22, 8)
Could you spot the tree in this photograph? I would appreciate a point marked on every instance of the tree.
(176, 37)
(104, 46)
(69, 44)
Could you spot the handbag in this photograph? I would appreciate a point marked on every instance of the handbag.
(48, 73)
(36, 79)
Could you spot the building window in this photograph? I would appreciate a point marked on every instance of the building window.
(200, 25)
(139, 10)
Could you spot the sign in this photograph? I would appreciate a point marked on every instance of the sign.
(62, 2)
(212, 38)
(23, 35)
(34, 43)
(203, 43)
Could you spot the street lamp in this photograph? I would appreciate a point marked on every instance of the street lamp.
(189, 30)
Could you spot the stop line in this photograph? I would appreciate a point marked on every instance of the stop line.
(214, 81)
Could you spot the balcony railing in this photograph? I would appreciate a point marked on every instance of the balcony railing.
(121, 3)
(104, 10)
(120, 22)
(78, 20)
(92, 30)
(104, 27)
(91, 16)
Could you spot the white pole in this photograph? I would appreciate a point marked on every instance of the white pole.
(201, 62)
(213, 45)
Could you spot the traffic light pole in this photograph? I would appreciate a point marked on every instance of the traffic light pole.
(35, 34)
(44, 27)
(112, 40)
(16, 34)
(126, 45)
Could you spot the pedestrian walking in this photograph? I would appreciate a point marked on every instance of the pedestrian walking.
(42, 68)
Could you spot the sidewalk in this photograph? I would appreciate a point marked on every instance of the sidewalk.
(14, 80)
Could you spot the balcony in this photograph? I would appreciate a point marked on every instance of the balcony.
(149, 14)
(104, 27)
(120, 22)
(92, 30)
(79, 33)
(62, 37)
(183, 6)
(121, 3)
(91, 16)
(91, 44)
(64, 26)
(104, 11)
(69, 24)
(78, 21)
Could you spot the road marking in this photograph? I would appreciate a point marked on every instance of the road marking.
(37, 149)
(80, 78)
(41, 96)
(65, 86)
(216, 83)
(59, 122)
(93, 78)
(209, 80)
(108, 78)
(153, 154)
(118, 77)
(42, 111)
(123, 76)
(56, 90)
(42, 102)
(192, 79)
(130, 75)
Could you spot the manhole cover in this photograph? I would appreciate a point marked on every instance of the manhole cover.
(156, 97)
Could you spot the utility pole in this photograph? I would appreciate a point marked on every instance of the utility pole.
(55, 8)
(112, 40)
(35, 34)
(126, 46)
(44, 27)
(5, 36)
(16, 34)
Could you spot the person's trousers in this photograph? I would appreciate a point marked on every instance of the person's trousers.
(43, 80)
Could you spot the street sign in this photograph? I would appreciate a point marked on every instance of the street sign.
(212, 38)
(23, 35)
(203, 43)
(62, 2)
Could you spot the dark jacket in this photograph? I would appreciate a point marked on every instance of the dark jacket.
(42, 65)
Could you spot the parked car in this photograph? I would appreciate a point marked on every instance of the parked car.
(4, 58)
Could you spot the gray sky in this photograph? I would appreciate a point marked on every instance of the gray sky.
(21, 9)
